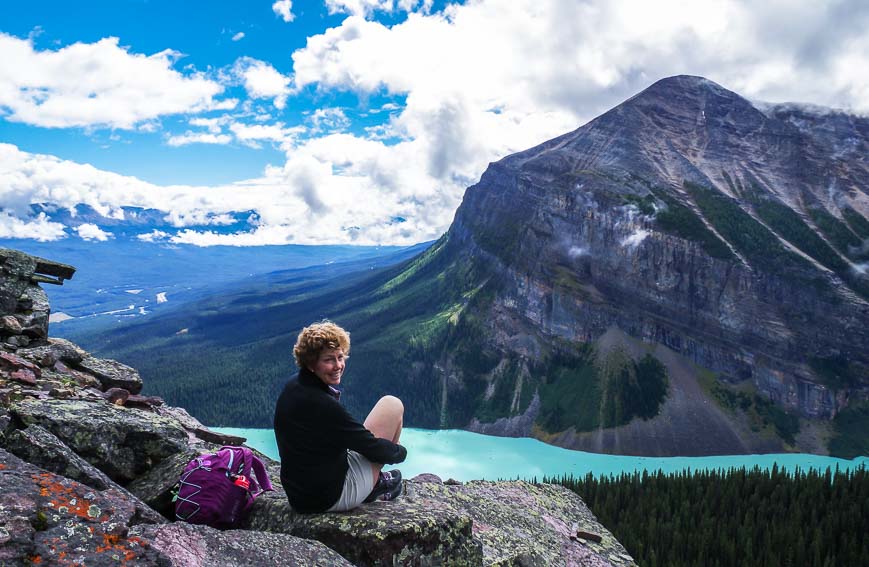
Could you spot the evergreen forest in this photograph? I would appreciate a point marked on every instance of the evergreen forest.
(735, 517)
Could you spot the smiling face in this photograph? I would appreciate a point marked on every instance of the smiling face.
(330, 366)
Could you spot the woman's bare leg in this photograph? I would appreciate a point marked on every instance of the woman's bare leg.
(385, 421)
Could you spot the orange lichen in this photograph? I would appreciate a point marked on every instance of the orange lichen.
(64, 499)
(113, 543)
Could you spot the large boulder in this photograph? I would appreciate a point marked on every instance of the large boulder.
(24, 307)
(402, 532)
(40, 447)
(16, 268)
(112, 374)
(53, 351)
(122, 442)
(520, 523)
(46, 518)
(478, 523)
(187, 545)
(196, 429)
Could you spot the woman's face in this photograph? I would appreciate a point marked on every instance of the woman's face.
(330, 366)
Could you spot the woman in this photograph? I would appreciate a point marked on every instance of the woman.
(329, 461)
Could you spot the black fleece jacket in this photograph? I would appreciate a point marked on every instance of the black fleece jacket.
(314, 432)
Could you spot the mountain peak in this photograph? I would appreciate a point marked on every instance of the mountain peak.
(687, 91)
(686, 83)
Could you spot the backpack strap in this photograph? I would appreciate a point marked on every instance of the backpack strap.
(254, 469)
(262, 476)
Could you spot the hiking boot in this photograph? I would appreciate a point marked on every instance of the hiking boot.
(388, 486)
(392, 493)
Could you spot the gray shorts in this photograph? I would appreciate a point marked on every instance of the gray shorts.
(358, 483)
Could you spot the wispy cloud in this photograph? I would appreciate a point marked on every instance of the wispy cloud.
(238, 37)
(329, 120)
(189, 137)
(366, 8)
(252, 134)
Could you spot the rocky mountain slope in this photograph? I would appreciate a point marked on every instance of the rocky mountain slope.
(687, 223)
(683, 275)
(87, 465)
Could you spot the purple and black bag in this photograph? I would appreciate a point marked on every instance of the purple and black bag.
(217, 489)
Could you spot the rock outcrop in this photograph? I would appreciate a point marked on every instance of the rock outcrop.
(87, 468)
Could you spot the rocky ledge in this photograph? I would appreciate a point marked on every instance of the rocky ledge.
(88, 464)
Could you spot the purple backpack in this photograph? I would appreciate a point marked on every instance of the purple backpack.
(217, 489)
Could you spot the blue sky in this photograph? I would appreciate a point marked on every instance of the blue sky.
(203, 33)
(353, 121)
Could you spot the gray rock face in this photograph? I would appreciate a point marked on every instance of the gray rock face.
(56, 350)
(121, 442)
(38, 446)
(112, 374)
(564, 230)
(378, 534)
(24, 306)
(543, 534)
(455, 524)
(185, 544)
(48, 518)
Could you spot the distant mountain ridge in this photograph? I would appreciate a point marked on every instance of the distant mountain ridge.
(685, 274)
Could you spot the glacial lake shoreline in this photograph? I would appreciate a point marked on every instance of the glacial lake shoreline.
(464, 456)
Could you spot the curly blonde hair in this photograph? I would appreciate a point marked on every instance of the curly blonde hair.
(316, 338)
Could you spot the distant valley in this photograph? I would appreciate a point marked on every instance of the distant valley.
(125, 278)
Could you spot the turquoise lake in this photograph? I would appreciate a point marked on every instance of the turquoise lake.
(467, 456)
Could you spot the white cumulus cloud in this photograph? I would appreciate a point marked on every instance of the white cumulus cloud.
(214, 125)
(96, 84)
(261, 80)
(154, 236)
(39, 228)
(487, 78)
(328, 192)
(90, 231)
(284, 9)
(238, 37)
